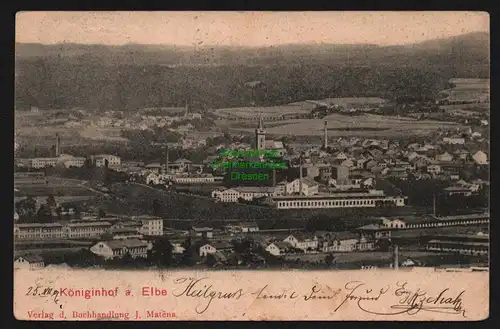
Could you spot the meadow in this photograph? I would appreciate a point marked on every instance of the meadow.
(362, 125)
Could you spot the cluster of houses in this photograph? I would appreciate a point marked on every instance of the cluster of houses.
(135, 237)
(90, 228)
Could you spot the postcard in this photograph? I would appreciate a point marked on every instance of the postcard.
(192, 166)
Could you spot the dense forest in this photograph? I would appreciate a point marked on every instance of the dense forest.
(135, 76)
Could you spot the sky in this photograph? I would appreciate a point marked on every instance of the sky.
(250, 29)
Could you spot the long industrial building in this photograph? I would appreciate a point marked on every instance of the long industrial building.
(368, 199)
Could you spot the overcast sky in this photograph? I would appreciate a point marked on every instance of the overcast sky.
(244, 28)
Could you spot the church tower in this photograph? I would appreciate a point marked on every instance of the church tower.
(260, 135)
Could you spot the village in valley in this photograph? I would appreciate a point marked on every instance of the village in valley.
(366, 182)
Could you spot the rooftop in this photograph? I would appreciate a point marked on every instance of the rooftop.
(127, 243)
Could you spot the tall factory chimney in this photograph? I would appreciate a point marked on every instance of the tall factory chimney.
(274, 177)
(325, 143)
(166, 158)
(58, 145)
(396, 256)
(186, 108)
(300, 176)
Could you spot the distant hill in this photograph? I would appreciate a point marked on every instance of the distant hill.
(473, 46)
(139, 76)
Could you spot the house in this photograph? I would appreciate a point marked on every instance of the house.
(248, 227)
(123, 233)
(120, 248)
(346, 242)
(360, 163)
(445, 157)
(207, 249)
(393, 223)
(408, 263)
(368, 182)
(150, 225)
(177, 247)
(421, 162)
(412, 155)
(480, 158)
(348, 163)
(309, 186)
(213, 247)
(278, 248)
(458, 190)
(397, 173)
(376, 153)
(476, 134)
(307, 243)
(433, 169)
(451, 169)
(404, 164)
(205, 232)
(455, 140)
(341, 156)
(29, 262)
(462, 154)
(370, 164)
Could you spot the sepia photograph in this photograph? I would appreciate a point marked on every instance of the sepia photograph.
(252, 165)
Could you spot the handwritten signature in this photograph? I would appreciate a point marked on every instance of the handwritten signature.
(198, 288)
(44, 291)
(409, 302)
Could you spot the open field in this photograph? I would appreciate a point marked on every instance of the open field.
(348, 102)
(104, 134)
(467, 90)
(277, 111)
(297, 108)
(50, 186)
(350, 257)
(70, 135)
(469, 107)
(367, 124)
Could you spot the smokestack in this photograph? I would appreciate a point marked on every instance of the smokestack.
(58, 145)
(166, 159)
(300, 176)
(325, 143)
(274, 177)
(396, 257)
(186, 109)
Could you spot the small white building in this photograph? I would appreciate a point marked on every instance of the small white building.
(207, 249)
(119, 248)
(213, 247)
(433, 169)
(100, 160)
(480, 158)
(393, 223)
(303, 242)
(29, 262)
(278, 248)
(444, 157)
(454, 140)
(205, 232)
(151, 225)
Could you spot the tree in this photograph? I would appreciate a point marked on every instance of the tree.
(329, 259)
(161, 254)
(210, 260)
(101, 213)
(44, 214)
(59, 212)
(26, 207)
(156, 207)
(51, 201)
